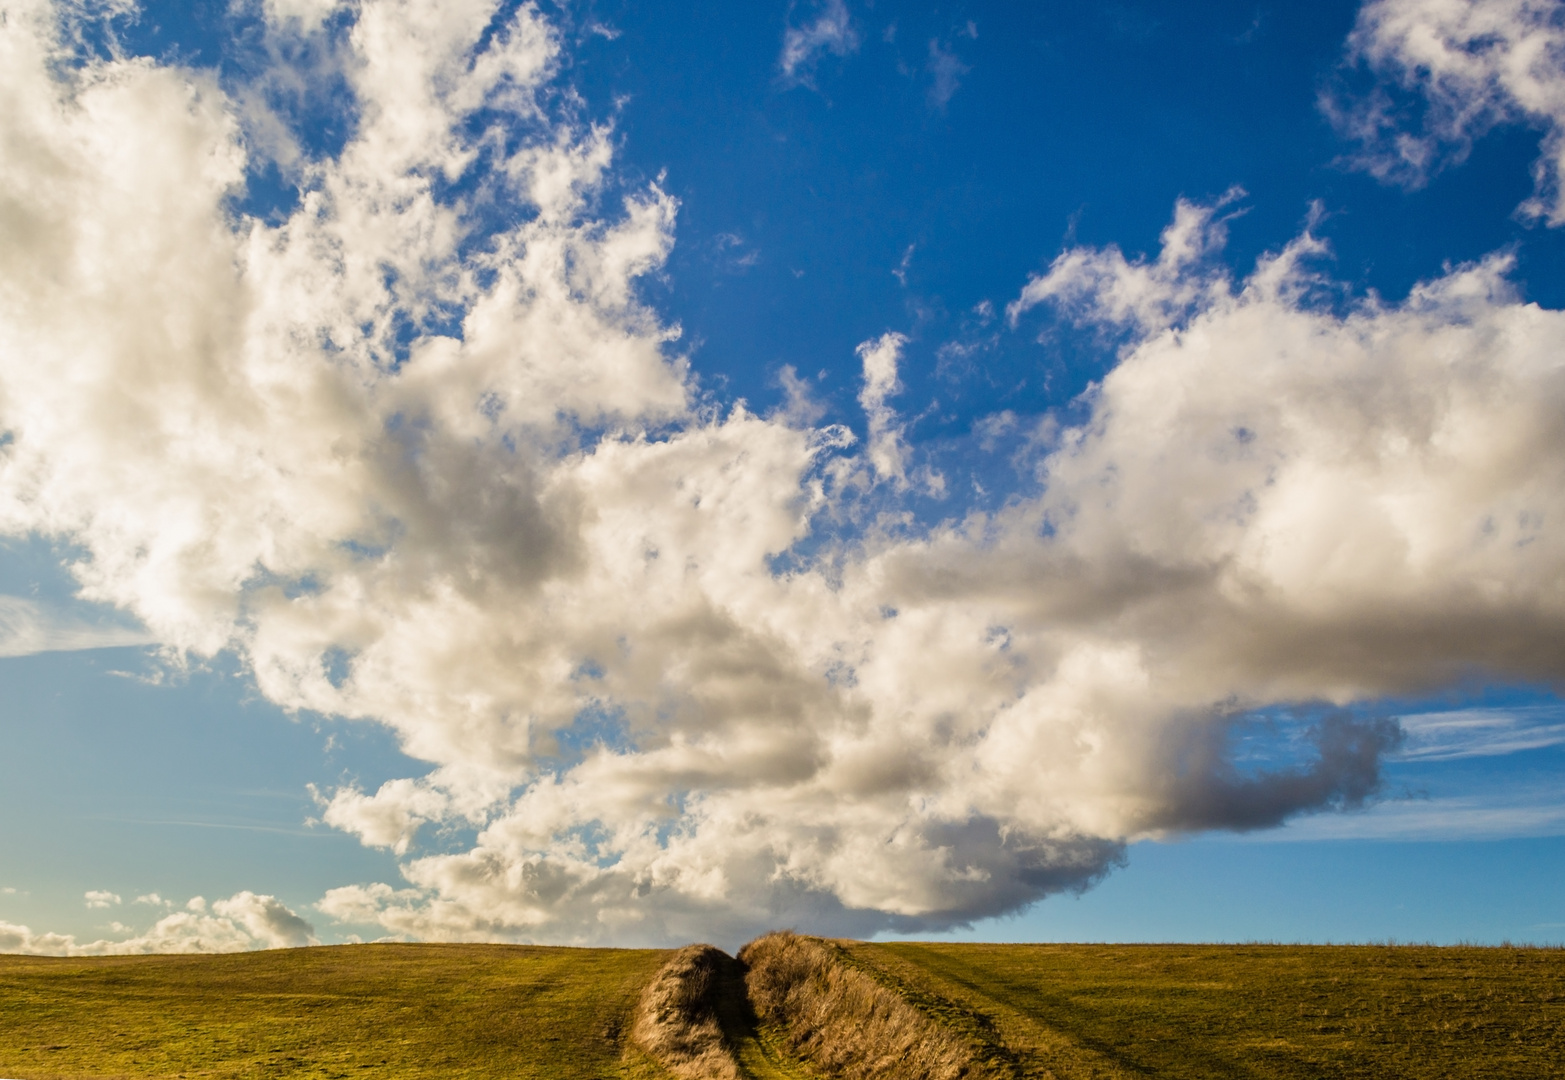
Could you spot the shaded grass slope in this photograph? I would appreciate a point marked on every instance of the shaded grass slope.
(387, 1011)
(1187, 1012)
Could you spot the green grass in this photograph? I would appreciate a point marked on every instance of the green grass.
(409, 1012)
(403, 1011)
(1255, 1012)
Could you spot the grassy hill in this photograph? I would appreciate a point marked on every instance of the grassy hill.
(383, 1011)
(1187, 1012)
(1027, 1011)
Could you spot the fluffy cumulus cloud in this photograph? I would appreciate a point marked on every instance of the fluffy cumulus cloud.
(1474, 64)
(418, 453)
(243, 921)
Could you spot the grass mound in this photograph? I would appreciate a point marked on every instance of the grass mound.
(677, 1016)
(844, 1022)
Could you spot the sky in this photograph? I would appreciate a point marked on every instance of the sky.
(619, 474)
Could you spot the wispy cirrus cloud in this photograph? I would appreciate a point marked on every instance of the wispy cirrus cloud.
(27, 628)
(1467, 733)
(1489, 816)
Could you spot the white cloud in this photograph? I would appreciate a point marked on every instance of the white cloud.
(100, 898)
(1049, 688)
(945, 74)
(243, 921)
(1465, 733)
(1100, 286)
(887, 449)
(831, 31)
(1463, 817)
(451, 477)
(391, 817)
(307, 15)
(267, 920)
(1475, 64)
(989, 429)
(802, 409)
(27, 629)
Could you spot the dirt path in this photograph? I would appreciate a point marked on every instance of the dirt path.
(761, 1055)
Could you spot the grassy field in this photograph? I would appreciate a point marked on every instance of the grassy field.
(404, 1011)
(1255, 1012)
(1033, 1011)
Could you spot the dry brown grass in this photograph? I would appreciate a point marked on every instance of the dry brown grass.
(677, 1019)
(844, 1022)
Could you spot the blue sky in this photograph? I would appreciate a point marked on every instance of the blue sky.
(606, 473)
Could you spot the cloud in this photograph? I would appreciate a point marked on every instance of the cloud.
(679, 670)
(1044, 700)
(990, 429)
(1467, 733)
(391, 817)
(27, 628)
(1464, 817)
(1099, 286)
(99, 898)
(266, 919)
(887, 450)
(945, 73)
(832, 31)
(801, 408)
(241, 922)
(1474, 64)
(308, 15)
(733, 254)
